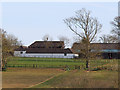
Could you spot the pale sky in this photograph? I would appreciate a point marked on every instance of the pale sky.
(31, 21)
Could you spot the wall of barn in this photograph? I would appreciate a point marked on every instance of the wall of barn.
(111, 55)
(47, 55)
(19, 53)
(43, 55)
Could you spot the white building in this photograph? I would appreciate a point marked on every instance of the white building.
(44, 49)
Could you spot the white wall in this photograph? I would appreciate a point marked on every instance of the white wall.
(49, 55)
(43, 55)
(18, 53)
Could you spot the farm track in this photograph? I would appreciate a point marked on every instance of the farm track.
(47, 79)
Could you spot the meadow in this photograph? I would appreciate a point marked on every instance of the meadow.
(82, 79)
(57, 78)
(53, 73)
(59, 63)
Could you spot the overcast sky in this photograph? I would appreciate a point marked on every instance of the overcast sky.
(31, 21)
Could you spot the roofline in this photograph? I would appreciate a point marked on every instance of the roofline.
(46, 41)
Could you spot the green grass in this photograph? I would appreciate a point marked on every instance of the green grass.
(44, 62)
(41, 59)
(61, 63)
(82, 79)
(73, 78)
(57, 62)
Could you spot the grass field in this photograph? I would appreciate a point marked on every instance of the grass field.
(51, 77)
(58, 62)
(57, 78)
(43, 61)
(22, 78)
(82, 79)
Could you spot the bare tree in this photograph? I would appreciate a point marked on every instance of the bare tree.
(65, 39)
(86, 27)
(115, 33)
(76, 39)
(108, 39)
(116, 27)
(47, 38)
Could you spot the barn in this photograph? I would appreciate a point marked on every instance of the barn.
(44, 49)
(107, 50)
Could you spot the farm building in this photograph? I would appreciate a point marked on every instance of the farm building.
(107, 50)
(46, 49)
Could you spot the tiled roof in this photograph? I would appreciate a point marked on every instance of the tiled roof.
(45, 47)
(47, 44)
(21, 48)
(100, 46)
(48, 50)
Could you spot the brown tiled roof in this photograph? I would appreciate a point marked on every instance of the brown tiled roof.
(107, 45)
(47, 44)
(99, 45)
(21, 48)
(47, 50)
(45, 47)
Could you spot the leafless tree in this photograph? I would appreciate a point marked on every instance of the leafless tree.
(76, 39)
(108, 39)
(65, 39)
(86, 27)
(115, 33)
(116, 27)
